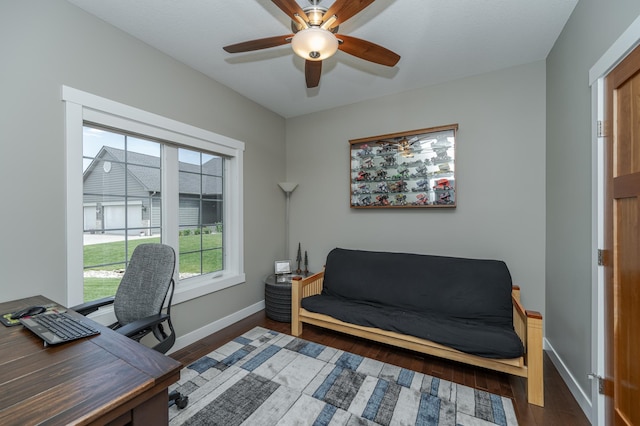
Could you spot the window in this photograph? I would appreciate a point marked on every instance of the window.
(133, 177)
(201, 210)
(121, 204)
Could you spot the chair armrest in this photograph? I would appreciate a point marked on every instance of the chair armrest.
(94, 305)
(135, 327)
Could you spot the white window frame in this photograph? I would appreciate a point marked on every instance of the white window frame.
(82, 106)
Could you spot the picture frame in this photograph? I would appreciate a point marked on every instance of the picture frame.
(412, 169)
(282, 267)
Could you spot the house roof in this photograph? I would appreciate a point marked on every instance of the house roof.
(145, 169)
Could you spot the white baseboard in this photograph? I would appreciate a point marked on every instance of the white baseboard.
(202, 332)
(584, 401)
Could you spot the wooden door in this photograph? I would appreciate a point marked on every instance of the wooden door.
(622, 240)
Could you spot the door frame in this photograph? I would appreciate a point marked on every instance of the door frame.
(619, 50)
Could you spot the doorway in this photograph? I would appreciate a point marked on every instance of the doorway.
(620, 50)
(622, 242)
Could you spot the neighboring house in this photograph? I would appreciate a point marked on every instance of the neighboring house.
(114, 191)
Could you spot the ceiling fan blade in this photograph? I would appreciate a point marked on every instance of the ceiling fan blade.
(368, 51)
(345, 9)
(291, 8)
(312, 71)
(263, 43)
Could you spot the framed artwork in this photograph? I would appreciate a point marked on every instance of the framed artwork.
(413, 169)
(282, 267)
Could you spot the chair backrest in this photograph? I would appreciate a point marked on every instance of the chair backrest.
(145, 283)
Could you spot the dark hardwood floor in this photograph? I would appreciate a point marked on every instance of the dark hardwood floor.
(560, 406)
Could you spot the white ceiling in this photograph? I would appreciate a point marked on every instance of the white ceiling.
(438, 41)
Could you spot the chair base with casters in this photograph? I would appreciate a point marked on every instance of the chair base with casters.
(178, 399)
(162, 259)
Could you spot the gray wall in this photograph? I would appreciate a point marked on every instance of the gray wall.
(592, 28)
(519, 199)
(500, 166)
(49, 43)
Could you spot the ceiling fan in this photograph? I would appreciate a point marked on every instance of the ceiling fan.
(404, 146)
(315, 36)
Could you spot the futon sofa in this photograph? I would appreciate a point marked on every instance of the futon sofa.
(466, 310)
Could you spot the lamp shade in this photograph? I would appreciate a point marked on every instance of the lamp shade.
(314, 44)
(287, 186)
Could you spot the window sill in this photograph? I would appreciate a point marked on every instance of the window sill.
(185, 291)
(200, 286)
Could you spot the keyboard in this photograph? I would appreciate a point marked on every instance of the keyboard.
(56, 328)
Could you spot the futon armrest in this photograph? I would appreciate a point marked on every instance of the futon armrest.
(137, 326)
(300, 288)
(94, 305)
(303, 282)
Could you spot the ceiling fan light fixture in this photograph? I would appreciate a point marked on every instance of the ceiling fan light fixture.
(315, 15)
(314, 44)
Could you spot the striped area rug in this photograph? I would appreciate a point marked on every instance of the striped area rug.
(268, 378)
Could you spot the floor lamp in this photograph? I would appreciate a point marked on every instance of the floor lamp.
(288, 188)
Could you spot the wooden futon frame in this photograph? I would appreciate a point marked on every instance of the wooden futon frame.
(527, 324)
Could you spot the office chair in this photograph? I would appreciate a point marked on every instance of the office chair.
(139, 300)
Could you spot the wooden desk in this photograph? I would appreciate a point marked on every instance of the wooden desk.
(103, 379)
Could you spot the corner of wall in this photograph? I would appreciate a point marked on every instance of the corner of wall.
(580, 396)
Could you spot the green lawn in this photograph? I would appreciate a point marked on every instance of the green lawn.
(97, 288)
(114, 253)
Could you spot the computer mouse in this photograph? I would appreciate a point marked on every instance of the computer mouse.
(27, 312)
